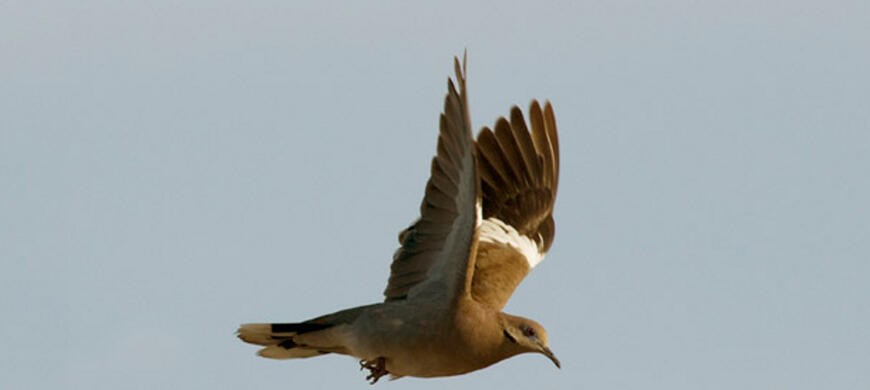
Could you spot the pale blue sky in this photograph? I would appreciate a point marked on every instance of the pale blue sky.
(169, 170)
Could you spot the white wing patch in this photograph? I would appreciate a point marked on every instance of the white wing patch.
(478, 218)
(494, 230)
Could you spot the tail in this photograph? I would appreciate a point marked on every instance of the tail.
(278, 339)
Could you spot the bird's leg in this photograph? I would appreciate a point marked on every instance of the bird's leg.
(377, 369)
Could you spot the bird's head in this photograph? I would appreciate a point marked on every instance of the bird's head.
(525, 335)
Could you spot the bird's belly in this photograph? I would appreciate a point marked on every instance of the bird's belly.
(426, 365)
(411, 345)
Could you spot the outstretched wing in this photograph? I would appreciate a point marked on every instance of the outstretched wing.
(519, 173)
(437, 251)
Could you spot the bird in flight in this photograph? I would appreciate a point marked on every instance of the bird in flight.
(485, 221)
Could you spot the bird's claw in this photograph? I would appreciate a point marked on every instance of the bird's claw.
(377, 369)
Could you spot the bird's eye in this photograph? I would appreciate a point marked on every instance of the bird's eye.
(529, 332)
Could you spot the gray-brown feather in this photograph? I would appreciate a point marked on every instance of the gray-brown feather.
(519, 171)
(448, 207)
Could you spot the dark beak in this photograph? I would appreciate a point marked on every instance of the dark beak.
(548, 353)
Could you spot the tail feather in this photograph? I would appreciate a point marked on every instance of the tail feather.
(278, 339)
(279, 352)
(272, 334)
(260, 334)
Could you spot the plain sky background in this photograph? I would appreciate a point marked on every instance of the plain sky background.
(169, 170)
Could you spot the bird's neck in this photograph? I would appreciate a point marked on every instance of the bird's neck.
(480, 328)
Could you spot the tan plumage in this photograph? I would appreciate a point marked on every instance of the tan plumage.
(485, 220)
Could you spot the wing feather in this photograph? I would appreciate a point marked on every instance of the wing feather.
(519, 171)
(437, 251)
(510, 176)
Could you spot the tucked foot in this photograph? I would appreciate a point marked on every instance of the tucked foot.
(377, 369)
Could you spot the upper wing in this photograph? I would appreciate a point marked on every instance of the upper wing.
(519, 172)
(438, 250)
